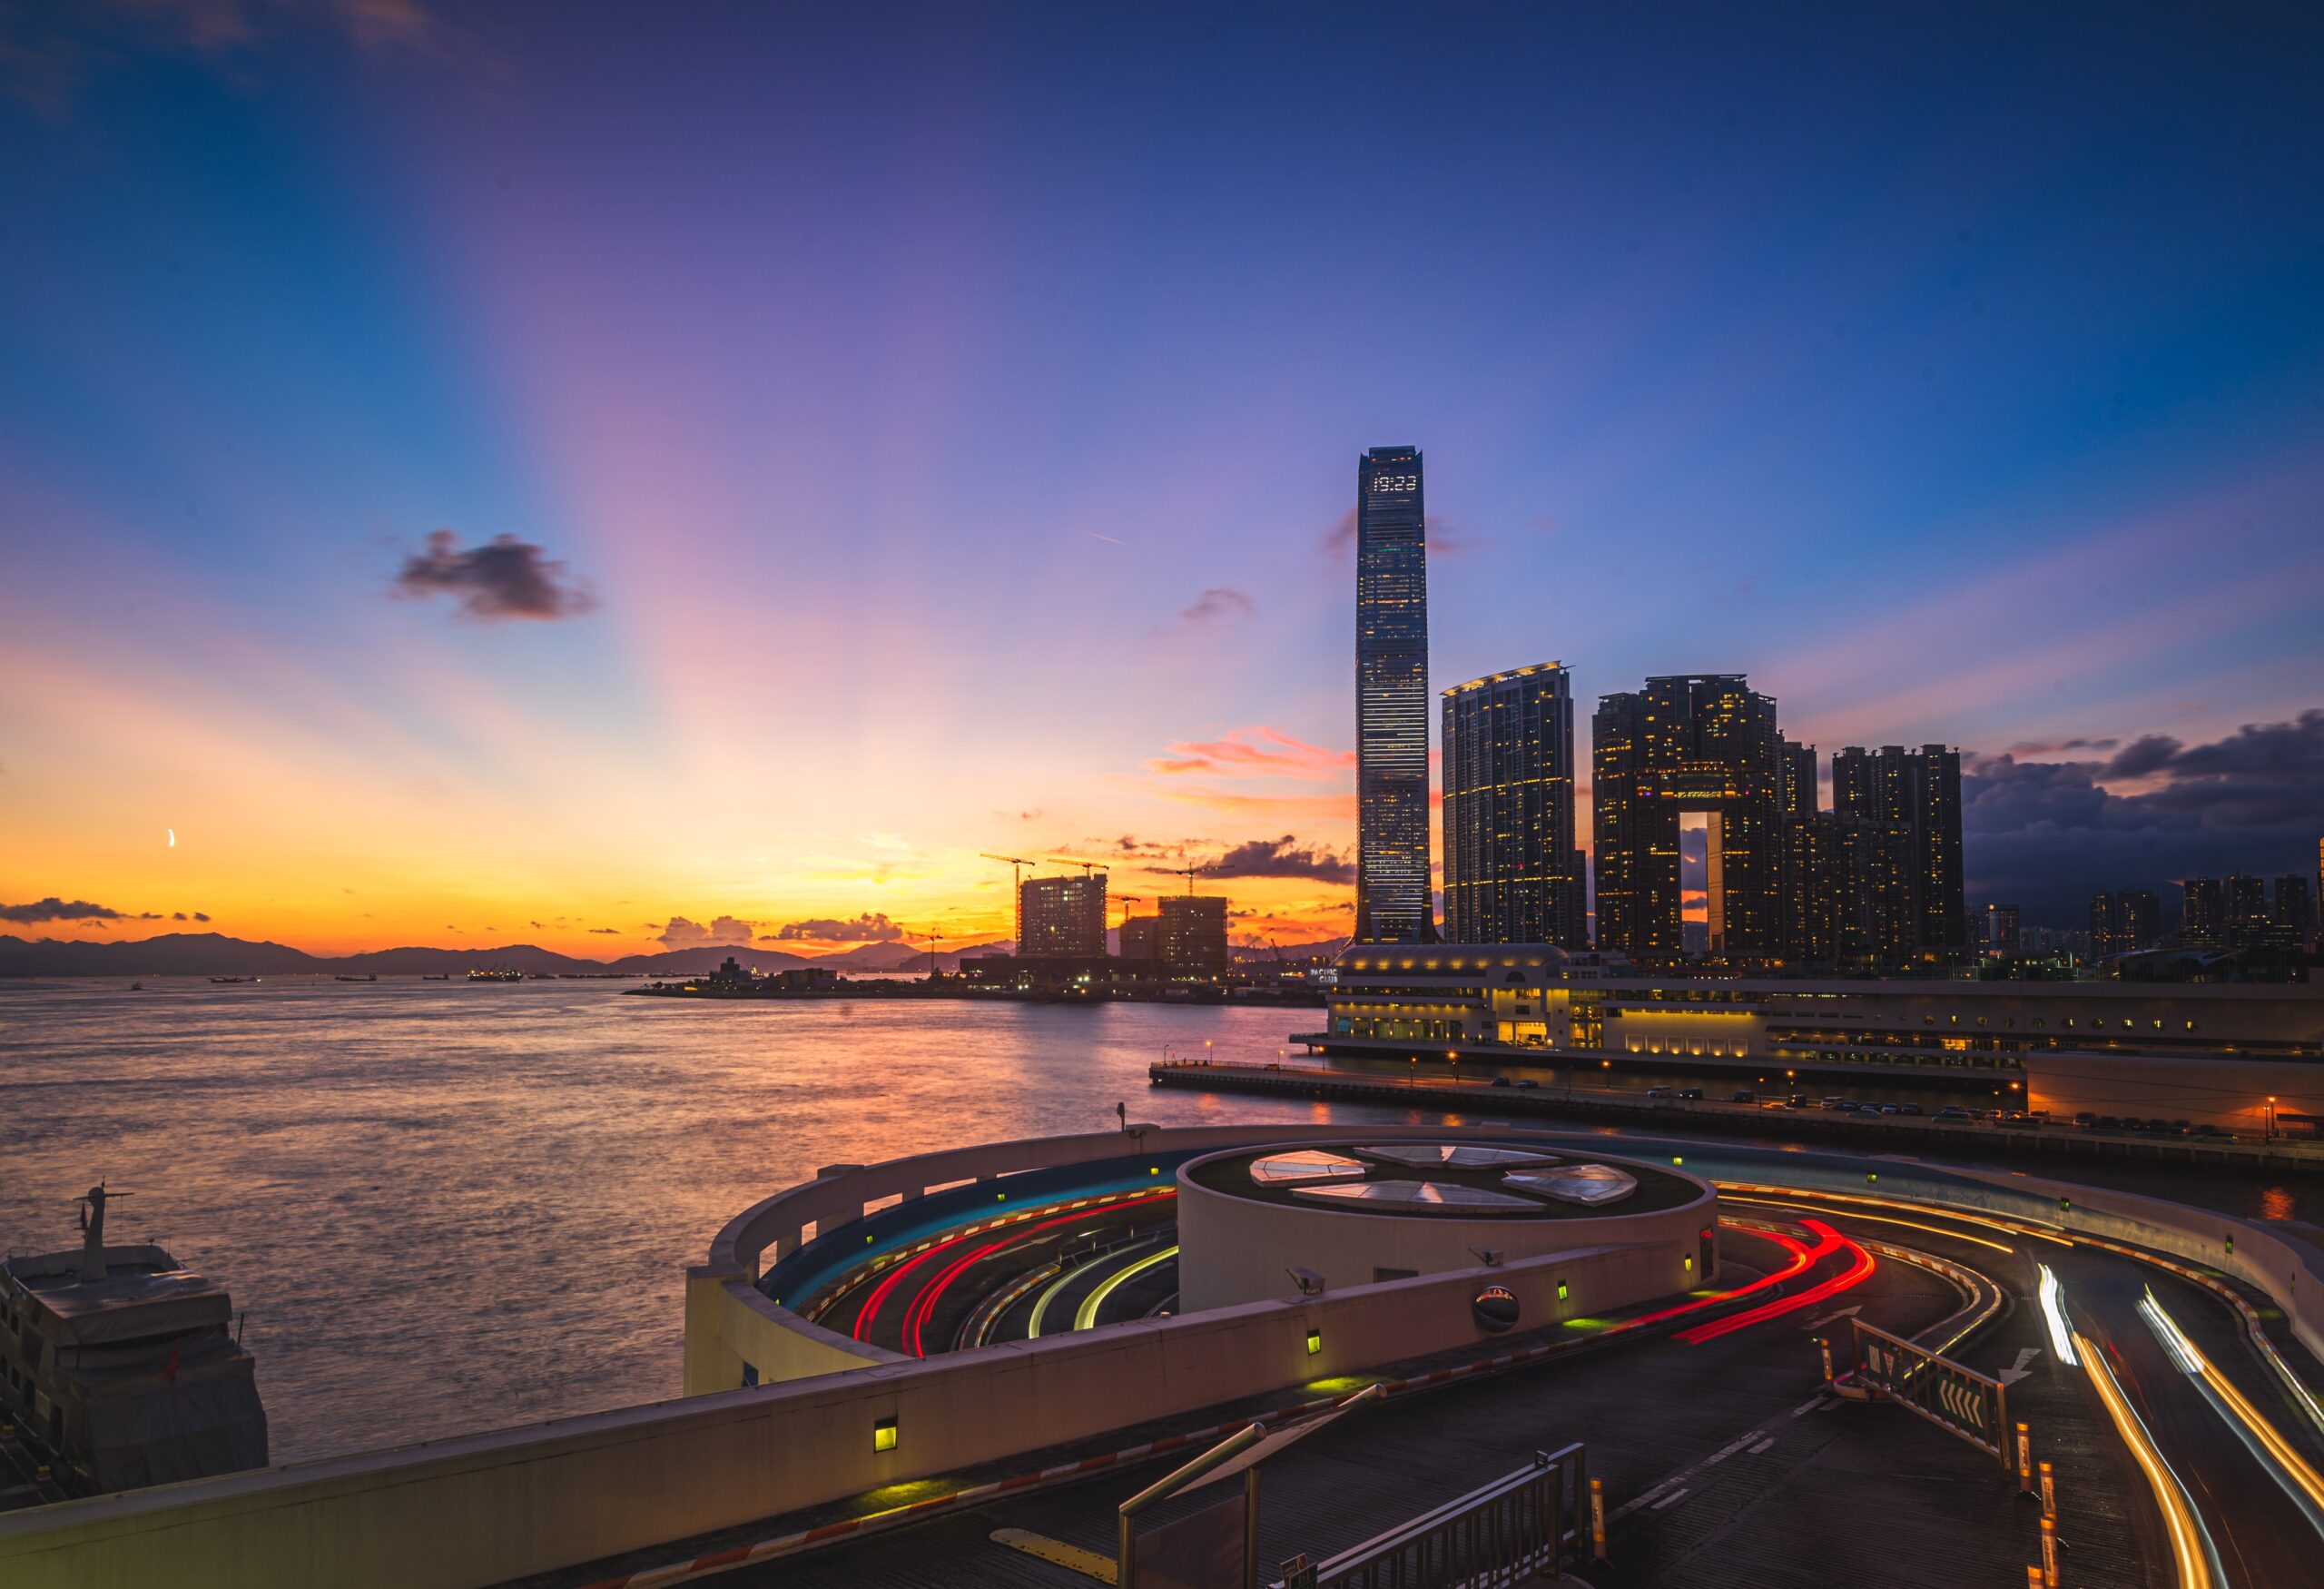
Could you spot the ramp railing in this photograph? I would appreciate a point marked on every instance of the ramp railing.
(1517, 1526)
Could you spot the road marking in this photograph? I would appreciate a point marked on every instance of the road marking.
(1089, 1564)
(2018, 1370)
(1763, 1444)
(1730, 1448)
(1667, 1500)
(1843, 1313)
(1810, 1405)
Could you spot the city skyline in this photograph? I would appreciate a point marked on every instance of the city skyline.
(437, 514)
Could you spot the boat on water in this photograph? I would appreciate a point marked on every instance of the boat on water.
(497, 974)
(372, 978)
(435, 976)
(237, 978)
(122, 1368)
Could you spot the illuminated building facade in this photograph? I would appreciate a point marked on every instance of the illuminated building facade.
(2247, 910)
(1392, 881)
(2203, 913)
(1919, 790)
(1061, 917)
(2294, 907)
(1510, 873)
(2001, 934)
(1688, 743)
(1190, 936)
(2124, 923)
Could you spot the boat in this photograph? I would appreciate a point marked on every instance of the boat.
(122, 1367)
(497, 974)
(435, 976)
(372, 978)
(137, 987)
(237, 978)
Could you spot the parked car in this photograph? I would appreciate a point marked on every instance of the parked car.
(1953, 1112)
(2085, 1118)
(1658, 1092)
(2107, 1122)
(1690, 1095)
(1883, 1108)
(1528, 1081)
(1500, 1081)
(1796, 1100)
(1745, 1095)
(1835, 1102)
(1908, 1108)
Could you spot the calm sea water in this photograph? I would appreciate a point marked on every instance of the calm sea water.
(448, 1207)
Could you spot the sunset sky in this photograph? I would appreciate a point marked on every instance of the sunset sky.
(924, 432)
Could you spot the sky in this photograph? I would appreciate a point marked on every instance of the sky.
(619, 477)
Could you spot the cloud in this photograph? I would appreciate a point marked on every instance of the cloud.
(49, 52)
(1254, 751)
(54, 908)
(1220, 601)
(867, 928)
(2046, 836)
(508, 579)
(679, 933)
(1109, 540)
(1283, 858)
(2032, 748)
(611, 932)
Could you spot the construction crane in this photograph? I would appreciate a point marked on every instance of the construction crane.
(933, 940)
(1087, 867)
(1016, 888)
(1129, 900)
(1185, 872)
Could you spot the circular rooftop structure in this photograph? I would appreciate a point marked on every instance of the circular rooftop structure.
(1255, 1222)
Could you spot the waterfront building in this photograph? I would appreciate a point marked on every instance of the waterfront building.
(1703, 743)
(2203, 913)
(1510, 873)
(1392, 863)
(1920, 790)
(1061, 917)
(2213, 1051)
(1190, 937)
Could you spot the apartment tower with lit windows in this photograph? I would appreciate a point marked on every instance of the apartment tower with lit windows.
(1510, 876)
(1392, 848)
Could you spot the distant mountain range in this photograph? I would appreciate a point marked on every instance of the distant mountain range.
(217, 955)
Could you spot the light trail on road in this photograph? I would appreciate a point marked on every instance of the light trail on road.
(2196, 1558)
(2266, 1442)
(1088, 1315)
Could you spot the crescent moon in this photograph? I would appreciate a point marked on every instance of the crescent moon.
(174, 837)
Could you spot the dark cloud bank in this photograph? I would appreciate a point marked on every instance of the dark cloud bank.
(2046, 836)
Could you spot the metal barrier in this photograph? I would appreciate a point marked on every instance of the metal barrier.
(1514, 1527)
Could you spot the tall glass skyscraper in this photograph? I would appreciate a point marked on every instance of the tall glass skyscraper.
(1508, 857)
(1392, 891)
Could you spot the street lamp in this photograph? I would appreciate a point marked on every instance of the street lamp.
(2271, 1118)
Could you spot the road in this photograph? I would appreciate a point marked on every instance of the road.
(1111, 1261)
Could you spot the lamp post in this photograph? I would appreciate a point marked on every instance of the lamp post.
(2271, 1118)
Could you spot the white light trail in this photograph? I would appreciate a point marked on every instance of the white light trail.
(2053, 1314)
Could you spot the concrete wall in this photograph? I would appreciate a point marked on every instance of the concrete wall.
(2230, 1094)
(1237, 1248)
(485, 1508)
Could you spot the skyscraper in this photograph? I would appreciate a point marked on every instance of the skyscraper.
(1509, 855)
(1706, 743)
(1391, 882)
(2294, 907)
(2247, 910)
(1061, 916)
(1190, 935)
(2138, 920)
(1920, 790)
(2203, 913)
